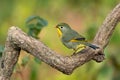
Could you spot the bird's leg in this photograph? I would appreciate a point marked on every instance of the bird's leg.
(79, 48)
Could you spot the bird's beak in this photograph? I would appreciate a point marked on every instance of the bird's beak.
(56, 26)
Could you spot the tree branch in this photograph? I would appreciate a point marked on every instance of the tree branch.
(102, 37)
(18, 40)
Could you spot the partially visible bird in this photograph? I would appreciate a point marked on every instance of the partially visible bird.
(71, 39)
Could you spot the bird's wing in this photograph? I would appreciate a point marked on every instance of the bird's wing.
(77, 37)
(80, 39)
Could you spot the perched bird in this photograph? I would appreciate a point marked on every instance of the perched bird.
(71, 39)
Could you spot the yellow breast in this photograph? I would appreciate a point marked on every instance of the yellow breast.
(59, 32)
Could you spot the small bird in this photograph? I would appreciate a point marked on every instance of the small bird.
(72, 39)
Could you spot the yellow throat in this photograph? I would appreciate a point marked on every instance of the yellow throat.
(59, 32)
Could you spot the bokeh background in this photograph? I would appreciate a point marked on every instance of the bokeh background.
(84, 16)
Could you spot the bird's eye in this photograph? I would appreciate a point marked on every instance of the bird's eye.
(61, 27)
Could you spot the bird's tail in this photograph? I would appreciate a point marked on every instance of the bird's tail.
(92, 46)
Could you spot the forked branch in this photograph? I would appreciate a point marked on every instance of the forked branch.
(18, 40)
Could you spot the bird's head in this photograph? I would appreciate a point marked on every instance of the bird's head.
(62, 28)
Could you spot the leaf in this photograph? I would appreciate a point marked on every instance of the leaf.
(38, 19)
(25, 60)
(35, 25)
(31, 26)
(42, 21)
(37, 60)
(29, 19)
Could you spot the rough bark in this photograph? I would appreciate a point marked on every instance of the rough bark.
(17, 40)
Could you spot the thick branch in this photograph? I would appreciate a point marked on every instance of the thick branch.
(8, 61)
(102, 38)
(104, 33)
(18, 40)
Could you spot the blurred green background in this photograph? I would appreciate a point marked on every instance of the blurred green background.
(85, 16)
